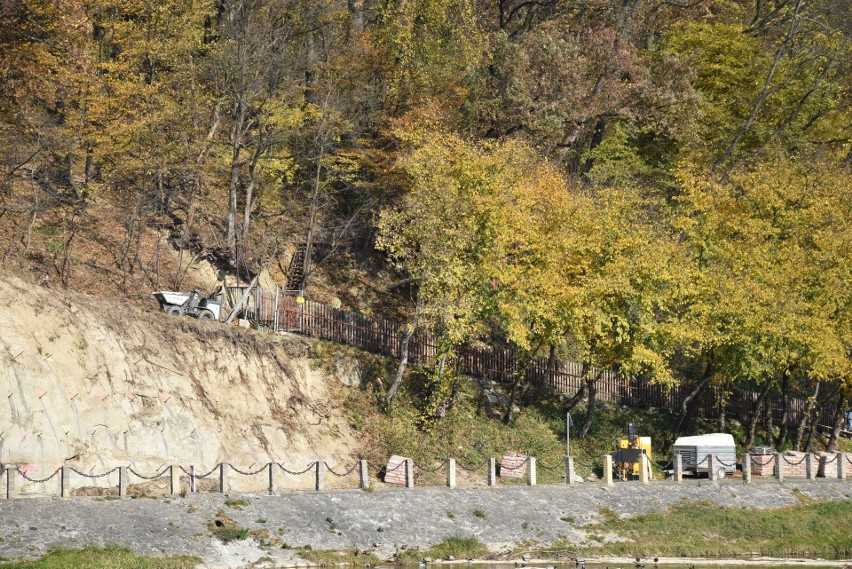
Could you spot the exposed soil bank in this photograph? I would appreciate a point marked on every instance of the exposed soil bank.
(95, 384)
(381, 522)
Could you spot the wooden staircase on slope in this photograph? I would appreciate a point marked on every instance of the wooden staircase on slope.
(296, 271)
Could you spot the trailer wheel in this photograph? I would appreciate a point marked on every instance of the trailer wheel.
(720, 474)
(173, 310)
(205, 315)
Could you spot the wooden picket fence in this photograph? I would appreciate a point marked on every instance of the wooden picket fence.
(286, 311)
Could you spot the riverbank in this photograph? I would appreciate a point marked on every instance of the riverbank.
(288, 529)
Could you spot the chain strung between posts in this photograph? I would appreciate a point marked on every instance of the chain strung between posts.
(310, 466)
(430, 470)
(544, 466)
(397, 467)
(38, 480)
(794, 463)
(518, 467)
(206, 474)
(341, 474)
(768, 461)
(245, 473)
(142, 476)
(107, 473)
(725, 464)
(831, 460)
(472, 468)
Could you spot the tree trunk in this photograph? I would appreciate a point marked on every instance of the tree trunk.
(403, 363)
(723, 409)
(576, 398)
(686, 410)
(769, 424)
(837, 423)
(811, 431)
(233, 182)
(803, 420)
(754, 419)
(785, 417)
(592, 387)
(520, 375)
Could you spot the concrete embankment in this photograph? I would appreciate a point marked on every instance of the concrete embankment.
(382, 521)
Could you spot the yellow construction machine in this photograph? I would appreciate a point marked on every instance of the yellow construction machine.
(627, 459)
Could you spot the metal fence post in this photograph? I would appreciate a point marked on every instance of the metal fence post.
(319, 475)
(122, 481)
(678, 467)
(607, 473)
(746, 468)
(779, 467)
(531, 473)
(451, 472)
(409, 473)
(364, 473)
(492, 472)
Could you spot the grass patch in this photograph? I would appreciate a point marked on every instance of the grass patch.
(227, 534)
(108, 557)
(479, 514)
(237, 503)
(691, 529)
(329, 558)
(457, 546)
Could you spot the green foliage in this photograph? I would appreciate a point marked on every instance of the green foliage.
(457, 547)
(108, 557)
(701, 530)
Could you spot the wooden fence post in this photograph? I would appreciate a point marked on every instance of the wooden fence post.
(644, 469)
(569, 471)
(319, 475)
(174, 480)
(363, 474)
(122, 481)
(64, 481)
(409, 473)
(607, 469)
(678, 467)
(272, 486)
(223, 477)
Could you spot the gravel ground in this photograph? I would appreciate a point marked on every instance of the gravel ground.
(383, 520)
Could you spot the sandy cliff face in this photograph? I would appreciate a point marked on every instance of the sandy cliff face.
(93, 384)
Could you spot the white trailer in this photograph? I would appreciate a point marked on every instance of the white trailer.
(695, 450)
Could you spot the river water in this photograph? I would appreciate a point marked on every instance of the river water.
(648, 564)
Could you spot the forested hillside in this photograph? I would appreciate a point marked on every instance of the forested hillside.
(659, 187)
